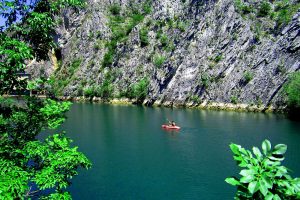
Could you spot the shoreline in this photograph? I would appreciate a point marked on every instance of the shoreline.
(206, 105)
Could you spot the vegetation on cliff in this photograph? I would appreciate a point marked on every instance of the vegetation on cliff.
(292, 90)
(227, 52)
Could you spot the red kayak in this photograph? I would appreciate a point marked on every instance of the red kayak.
(170, 127)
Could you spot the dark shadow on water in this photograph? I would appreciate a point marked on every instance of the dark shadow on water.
(294, 114)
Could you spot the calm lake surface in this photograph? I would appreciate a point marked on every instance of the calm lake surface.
(133, 158)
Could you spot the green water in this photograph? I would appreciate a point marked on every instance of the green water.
(133, 158)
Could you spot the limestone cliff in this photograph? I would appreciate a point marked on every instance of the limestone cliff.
(185, 51)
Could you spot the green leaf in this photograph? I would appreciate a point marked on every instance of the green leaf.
(269, 196)
(253, 187)
(246, 172)
(279, 149)
(266, 146)
(281, 170)
(235, 148)
(257, 152)
(247, 179)
(267, 181)
(232, 181)
(276, 197)
(263, 188)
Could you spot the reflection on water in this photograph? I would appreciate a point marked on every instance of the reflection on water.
(134, 158)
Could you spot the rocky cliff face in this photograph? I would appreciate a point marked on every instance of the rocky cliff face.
(183, 51)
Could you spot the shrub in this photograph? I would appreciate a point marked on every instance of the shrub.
(234, 99)
(108, 58)
(205, 80)
(106, 89)
(147, 7)
(115, 9)
(263, 176)
(293, 91)
(164, 40)
(218, 58)
(158, 34)
(89, 92)
(144, 37)
(140, 89)
(242, 7)
(159, 60)
(181, 26)
(285, 12)
(248, 76)
(137, 18)
(170, 47)
(195, 98)
(264, 9)
(74, 66)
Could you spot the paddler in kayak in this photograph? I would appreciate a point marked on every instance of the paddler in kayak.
(172, 123)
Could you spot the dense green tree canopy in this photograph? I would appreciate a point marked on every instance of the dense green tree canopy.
(28, 166)
(293, 91)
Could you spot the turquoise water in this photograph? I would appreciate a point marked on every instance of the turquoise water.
(133, 158)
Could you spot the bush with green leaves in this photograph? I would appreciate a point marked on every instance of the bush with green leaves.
(182, 26)
(292, 90)
(264, 9)
(144, 37)
(194, 98)
(164, 40)
(218, 58)
(31, 168)
(280, 11)
(115, 9)
(89, 92)
(284, 12)
(106, 89)
(205, 80)
(263, 176)
(242, 7)
(121, 25)
(158, 60)
(140, 89)
(248, 76)
(234, 99)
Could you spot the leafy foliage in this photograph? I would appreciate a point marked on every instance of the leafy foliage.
(106, 89)
(158, 60)
(248, 76)
(58, 80)
(115, 9)
(280, 11)
(121, 25)
(293, 91)
(144, 37)
(13, 54)
(263, 176)
(234, 99)
(264, 9)
(30, 168)
(140, 89)
(164, 40)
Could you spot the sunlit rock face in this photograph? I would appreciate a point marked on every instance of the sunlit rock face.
(196, 51)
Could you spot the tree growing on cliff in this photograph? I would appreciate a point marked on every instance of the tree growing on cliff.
(292, 91)
(30, 167)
